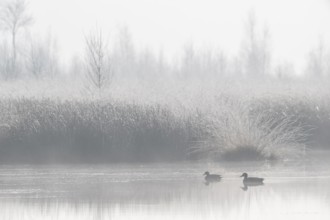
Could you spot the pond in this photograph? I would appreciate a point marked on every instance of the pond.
(165, 191)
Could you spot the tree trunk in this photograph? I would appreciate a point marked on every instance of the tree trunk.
(14, 53)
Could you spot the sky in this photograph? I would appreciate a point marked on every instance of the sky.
(295, 26)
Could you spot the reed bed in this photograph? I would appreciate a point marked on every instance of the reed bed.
(164, 123)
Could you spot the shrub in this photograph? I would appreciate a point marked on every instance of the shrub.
(241, 133)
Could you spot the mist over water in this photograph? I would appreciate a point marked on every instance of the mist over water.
(164, 191)
(120, 118)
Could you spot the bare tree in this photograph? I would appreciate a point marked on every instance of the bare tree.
(318, 61)
(190, 64)
(13, 17)
(98, 68)
(202, 63)
(256, 52)
(284, 70)
(5, 62)
(124, 53)
(41, 60)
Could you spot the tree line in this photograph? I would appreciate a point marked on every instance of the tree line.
(105, 61)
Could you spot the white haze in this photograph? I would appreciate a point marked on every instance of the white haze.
(295, 26)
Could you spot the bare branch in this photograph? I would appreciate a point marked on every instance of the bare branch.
(98, 68)
(13, 17)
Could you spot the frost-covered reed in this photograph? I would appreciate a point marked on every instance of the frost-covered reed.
(162, 122)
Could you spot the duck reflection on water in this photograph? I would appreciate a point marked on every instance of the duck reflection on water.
(247, 185)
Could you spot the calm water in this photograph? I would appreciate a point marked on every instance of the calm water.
(165, 191)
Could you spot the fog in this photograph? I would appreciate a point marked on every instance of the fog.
(115, 109)
(295, 26)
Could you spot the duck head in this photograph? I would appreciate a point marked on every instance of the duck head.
(206, 173)
(244, 175)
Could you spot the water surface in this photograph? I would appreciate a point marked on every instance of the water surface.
(165, 191)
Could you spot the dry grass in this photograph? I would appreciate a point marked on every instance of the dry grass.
(239, 133)
(163, 122)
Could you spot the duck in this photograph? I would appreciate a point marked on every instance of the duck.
(251, 181)
(212, 177)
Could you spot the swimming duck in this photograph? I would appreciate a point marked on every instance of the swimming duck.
(212, 177)
(251, 180)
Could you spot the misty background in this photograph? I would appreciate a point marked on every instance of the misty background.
(114, 109)
(112, 81)
(292, 32)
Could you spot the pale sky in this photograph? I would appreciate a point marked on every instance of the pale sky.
(295, 25)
